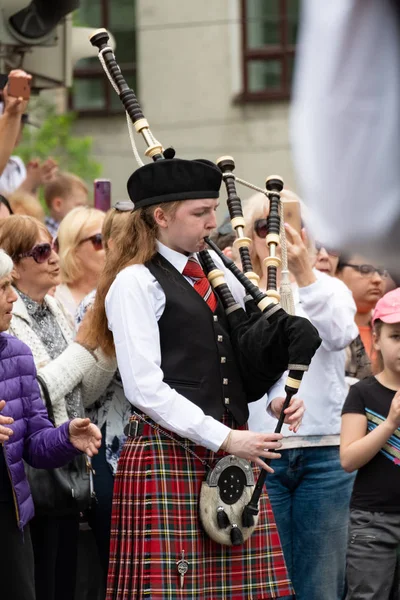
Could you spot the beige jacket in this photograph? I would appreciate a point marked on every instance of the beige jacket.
(73, 366)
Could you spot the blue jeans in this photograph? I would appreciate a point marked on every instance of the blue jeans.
(310, 496)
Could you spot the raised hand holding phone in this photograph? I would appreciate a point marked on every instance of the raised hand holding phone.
(17, 92)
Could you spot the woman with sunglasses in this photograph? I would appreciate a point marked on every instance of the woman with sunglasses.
(326, 260)
(309, 491)
(80, 247)
(26, 434)
(71, 370)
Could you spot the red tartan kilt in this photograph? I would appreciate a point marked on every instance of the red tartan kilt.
(156, 516)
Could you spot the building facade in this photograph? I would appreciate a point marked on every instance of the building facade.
(213, 78)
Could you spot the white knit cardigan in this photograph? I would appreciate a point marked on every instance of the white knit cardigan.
(73, 366)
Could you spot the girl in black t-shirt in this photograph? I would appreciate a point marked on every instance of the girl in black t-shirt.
(370, 442)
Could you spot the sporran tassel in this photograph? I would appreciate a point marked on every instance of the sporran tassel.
(236, 536)
(247, 517)
(222, 518)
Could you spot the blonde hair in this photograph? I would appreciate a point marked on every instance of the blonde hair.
(135, 243)
(71, 231)
(19, 234)
(63, 185)
(23, 203)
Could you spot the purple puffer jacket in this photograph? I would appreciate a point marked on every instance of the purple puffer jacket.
(34, 439)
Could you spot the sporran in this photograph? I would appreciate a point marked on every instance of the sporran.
(225, 492)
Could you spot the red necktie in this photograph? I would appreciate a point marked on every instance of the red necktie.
(201, 285)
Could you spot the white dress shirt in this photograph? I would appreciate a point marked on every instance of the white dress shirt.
(134, 304)
(330, 307)
(345, 124)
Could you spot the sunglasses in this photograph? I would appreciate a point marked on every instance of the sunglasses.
(367, 270)
(96, 239)
(261, 228)
(319, 247)
(40, 253)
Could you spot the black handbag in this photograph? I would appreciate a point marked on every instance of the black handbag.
(67, 490)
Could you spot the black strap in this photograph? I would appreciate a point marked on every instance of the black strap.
(46, 397)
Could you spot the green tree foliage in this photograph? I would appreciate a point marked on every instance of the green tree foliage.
(54, 139)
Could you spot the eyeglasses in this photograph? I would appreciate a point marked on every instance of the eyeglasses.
(40, 253)
(96, 239)
(319, 247)
(367, 270)
(124, 206)
(261, 228)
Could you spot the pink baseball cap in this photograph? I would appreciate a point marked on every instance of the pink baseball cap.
(387, 309)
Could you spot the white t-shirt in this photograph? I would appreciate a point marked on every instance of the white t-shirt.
(13, 175)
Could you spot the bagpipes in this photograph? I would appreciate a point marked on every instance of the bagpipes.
(267, 339)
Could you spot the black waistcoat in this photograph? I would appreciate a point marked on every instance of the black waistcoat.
(196, 354)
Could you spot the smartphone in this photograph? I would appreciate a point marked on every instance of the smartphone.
(102, 194)
(292, 214)
(19, 87)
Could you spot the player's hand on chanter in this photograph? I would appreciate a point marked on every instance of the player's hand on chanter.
(252, 446)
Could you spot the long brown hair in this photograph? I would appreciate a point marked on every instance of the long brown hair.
(135, 244)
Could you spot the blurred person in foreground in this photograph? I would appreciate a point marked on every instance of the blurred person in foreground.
(26, 434)
(62, 193)
(70, 370)
(80, 246)
(309, 490)
(345, 124)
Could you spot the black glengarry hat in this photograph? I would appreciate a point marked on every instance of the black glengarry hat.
(174, 179)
